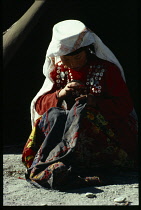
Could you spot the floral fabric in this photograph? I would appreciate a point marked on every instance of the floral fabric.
(65, 145)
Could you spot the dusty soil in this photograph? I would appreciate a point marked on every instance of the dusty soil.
(18, 192)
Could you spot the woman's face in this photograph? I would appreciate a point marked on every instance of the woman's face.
(75, 62)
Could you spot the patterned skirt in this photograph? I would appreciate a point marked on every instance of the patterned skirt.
(66, 149)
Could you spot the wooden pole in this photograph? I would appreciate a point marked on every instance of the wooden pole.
(15, 35)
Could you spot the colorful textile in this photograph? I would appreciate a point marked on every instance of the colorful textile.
(75, 142)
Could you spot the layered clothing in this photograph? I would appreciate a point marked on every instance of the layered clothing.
(71, 137)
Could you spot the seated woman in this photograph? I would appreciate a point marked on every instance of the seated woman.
(83, 116)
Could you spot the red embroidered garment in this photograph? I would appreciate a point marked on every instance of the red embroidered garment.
(112, 95)
(103, 136)
(113, 98)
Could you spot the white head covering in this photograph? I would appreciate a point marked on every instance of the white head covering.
(68, 36)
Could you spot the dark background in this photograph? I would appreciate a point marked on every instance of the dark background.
(114, 21)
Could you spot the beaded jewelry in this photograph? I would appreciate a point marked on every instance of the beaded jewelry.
(94, 76)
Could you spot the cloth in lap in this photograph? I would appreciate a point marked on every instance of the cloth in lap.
(74, 141)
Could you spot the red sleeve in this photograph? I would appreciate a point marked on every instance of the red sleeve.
(117, 102)
(46, 101)
(49, 99)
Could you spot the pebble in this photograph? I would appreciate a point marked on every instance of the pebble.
(90, 195)
(122, 204)
(119, 199)
(43, 204)
(136, 186)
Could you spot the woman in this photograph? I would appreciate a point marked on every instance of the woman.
(83, 117)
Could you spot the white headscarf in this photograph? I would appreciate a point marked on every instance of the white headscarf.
(68, 36)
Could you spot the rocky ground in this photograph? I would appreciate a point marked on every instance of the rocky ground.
(18, 192)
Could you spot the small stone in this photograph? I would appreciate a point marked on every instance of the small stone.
(90, 195)
(126, 204)
(119, 199)
(136, 186)
(44, 204)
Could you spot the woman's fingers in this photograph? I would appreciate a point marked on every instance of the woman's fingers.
(81, 97)
(75, 85)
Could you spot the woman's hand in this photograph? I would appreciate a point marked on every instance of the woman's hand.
(91, 100)
(69, 88)
(81, 97)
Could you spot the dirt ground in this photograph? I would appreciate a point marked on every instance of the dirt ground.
(18, 192)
